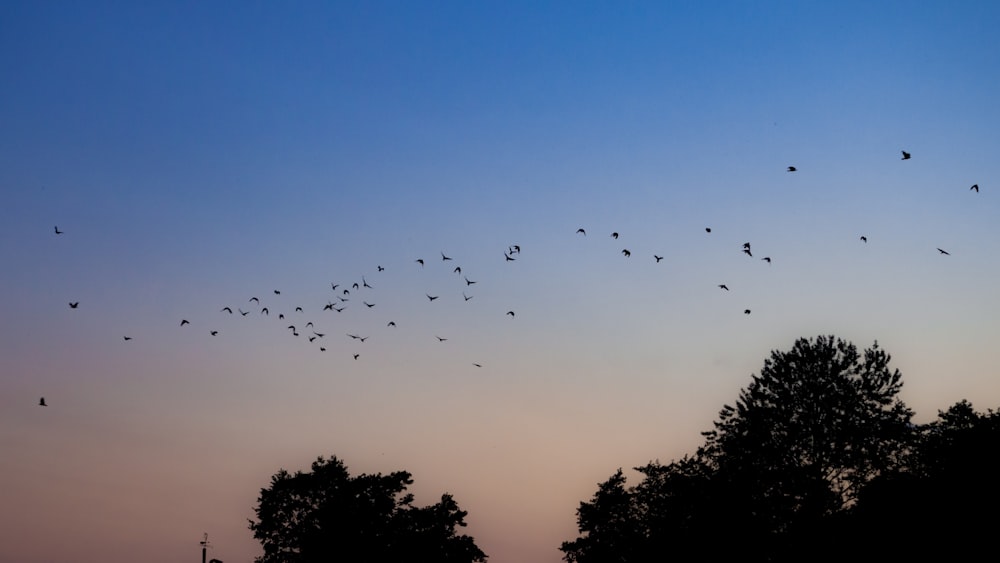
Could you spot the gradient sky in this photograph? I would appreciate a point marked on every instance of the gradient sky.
(197, 154)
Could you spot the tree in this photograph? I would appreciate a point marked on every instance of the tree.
(326, 515)
(817, 424)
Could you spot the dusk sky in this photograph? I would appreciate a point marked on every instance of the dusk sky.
(197, 154)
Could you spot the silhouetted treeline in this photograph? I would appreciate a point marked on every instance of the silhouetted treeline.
(817, 461)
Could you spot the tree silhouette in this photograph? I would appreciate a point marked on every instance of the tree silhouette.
(781, 468)
(327, 515)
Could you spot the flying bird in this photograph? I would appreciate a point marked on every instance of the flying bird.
(511, 313)
(582, 232)
(432, 297)
(184, 322)
(41, 402)
(467, 297)
(439, 338)
(792, 169)
(58, 232)
(508, 257)
(242, 312)
(469, 282)
(380, 268)
(626, 252)
(746, 311)
(226, 309)
(515, 248)
(276, 292)
(391, 323)
(708, 229)
(356, 356)
(614, 235)
(214, 332)
(356, 286)
(254, 299)
(767, 259)
(975, 187)
(369, 305)
(746, 250)
(298, 309)
(457, 270)
(945, 252)
(319, 334)
(478, 365)
(443, 257)
(746, 245)
(420, 261)
(906, 155)
(127, 338)
(334, 286)
(658, 258)
(723, 286)
(864, 239)
(74, 304)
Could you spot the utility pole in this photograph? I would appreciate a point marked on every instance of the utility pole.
(204, 547)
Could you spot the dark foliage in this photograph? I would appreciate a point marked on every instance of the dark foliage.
(326, 515)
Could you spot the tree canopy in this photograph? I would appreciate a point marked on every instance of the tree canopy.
(327, 515)
(787, 461)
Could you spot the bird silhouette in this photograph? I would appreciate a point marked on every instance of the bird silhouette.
(334, 286)
(276, 292)
(356, 286)
(291, 328)
(658, 258)
(380, 268)
(184, 322)
(254, 299)
(356, 356)
(975, 187)
(265, 311)
(457, 270)
(469, 282)
(511, 313)
(864, 238)
(582, 232)
(747, 251)
(478, 365)
(298, 309)
(41, 402)
(723, 286)
(365, 283)
(767, 259)
(74, 304)
(746, 311)
(792, 169)
(906, 155)
(369, 305)
(242, 312)
(214, 332)
(746, 245)
(226, 309)
(319, 334)
(945, 252)
(58, 232)
(614, 235)
(708, 229)
(354, 336)
(420, 261)
(322, 349)
(467, 297)
(127, 338)
(432, 297)
(443, 257)
(439, 338)
(515, 249)
(391, 323)
(508, 257)
(626, 252)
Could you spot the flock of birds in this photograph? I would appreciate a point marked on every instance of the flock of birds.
(359, 293)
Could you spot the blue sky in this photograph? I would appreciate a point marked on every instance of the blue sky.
(196, 155)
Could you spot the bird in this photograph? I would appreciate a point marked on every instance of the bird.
(767, 259)
(457, 270)
(356, 356)
(478, 365)
(298, 309)
(41, 402)
(746, 251)
(792, 169)
(74, 304)
(265, 311)
(468, 281)
(906, 155)
(311, 338)
(214, 332)
(276, 292)
(864, 239)
(975, 187)
(508, 257)
(339, 310)
(319, 334)
(443, 257)
(226, 309)
(127, 338)
(322, 349)
(432, 297)
(291, 327)
(708, 229)
(363, 338)
(391, 323)
(582, 232)
(439, 338)
(334, 286)
(328, 306)
(309, 324)
(945, 252)
(355, 285)
(658, 258)
(467, 297)
(184, 322)
(515, 249)
(614, 235)
(380, 268)
(58, 232)
(369, 305)
(511, 313)
(723, 286)
(746, 311)
(626, 252)
(254, 299)
(746, 245)
(242, 312)
(420, 261)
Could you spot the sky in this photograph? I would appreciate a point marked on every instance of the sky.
(196, 155)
